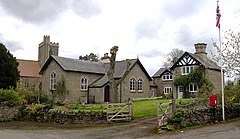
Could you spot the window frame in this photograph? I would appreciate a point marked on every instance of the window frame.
(140, 85)
(167, 77)
(185, 70)
(53, 81)
(167, 90)
(132, 84)
(84, 83)
(192, 87)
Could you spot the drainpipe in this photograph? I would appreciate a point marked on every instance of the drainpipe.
(121, 93)
(88, 95)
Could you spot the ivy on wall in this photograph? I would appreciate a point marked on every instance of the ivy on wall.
(197, 76)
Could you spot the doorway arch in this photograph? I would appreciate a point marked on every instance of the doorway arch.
(106, 94)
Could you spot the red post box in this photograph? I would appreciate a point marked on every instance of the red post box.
(213, 100)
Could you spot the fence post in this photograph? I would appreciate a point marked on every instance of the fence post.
(107, 112)
(130, 109)
(158, 120)
(171, 109)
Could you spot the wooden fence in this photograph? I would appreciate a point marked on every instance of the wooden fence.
(119, 111)
(163, 113)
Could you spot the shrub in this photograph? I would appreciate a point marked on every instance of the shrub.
(32, 96)
(10, 97)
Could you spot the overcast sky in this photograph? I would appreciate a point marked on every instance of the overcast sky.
(148, 29)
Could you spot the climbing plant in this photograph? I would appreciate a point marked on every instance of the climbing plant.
(197, 76)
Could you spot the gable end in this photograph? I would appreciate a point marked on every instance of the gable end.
(186, 60)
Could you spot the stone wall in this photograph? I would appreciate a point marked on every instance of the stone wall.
(8, 112)
(186, 117)
(47, 114)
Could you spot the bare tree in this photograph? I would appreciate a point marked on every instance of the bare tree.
(112, 82)
(172, 57)
(230, 52)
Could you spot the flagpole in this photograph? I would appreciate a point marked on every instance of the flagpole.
(220, 44)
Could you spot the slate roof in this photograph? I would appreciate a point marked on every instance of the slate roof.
(76, 65)
(159, 72)
(207, 63)
(28, 68)
(120, 68)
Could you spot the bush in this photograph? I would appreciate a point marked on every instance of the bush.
(10, 97)
(32, 96)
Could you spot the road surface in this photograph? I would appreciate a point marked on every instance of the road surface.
(142, 129)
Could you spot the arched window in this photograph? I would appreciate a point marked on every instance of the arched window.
(53, 81)
(132, 84)
(140, 85)
(83, 83)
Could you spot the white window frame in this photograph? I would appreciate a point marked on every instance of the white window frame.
(187, 69)
(132, 84)
(180, 89)
(83, 83)
(53, 81)
(140, 85)
(167, 90)
(167, 77)
(193, 87)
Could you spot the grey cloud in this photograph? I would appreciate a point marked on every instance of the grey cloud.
(11, 44)
(186, 39)
(42, 11)
(37, 11)
(152, 53)
(184, 36)
(147, 28)
(177, 9)
(86, 8)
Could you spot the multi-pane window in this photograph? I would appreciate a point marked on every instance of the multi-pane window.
(167, 90)
(193, 87)
(53, 81)
(132, 84)
(167, 77)
(186, 70)
(180, 89)
(140, 85)
(83, 83)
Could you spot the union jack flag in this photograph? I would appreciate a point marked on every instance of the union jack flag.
(218, 16)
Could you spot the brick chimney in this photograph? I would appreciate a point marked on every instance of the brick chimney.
(201, 50)
(105, 58)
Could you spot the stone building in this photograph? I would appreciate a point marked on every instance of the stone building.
(86, 81)
(29, 69)
(164, 77)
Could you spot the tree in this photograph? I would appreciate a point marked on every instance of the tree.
(9, 74)
(230, 53)
(112, 82)
(90, 57)
(172, 57)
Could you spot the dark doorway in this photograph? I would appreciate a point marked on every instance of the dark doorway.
(106, 94)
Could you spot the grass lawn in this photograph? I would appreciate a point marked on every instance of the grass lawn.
(146, 108)
(141, 108)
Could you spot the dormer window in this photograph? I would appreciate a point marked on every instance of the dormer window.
(167, 77)
(187, 69)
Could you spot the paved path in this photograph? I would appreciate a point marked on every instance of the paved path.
(145, 129)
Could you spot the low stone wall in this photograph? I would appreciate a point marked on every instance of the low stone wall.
(8, 112)
(186, 117)
(47, 114)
